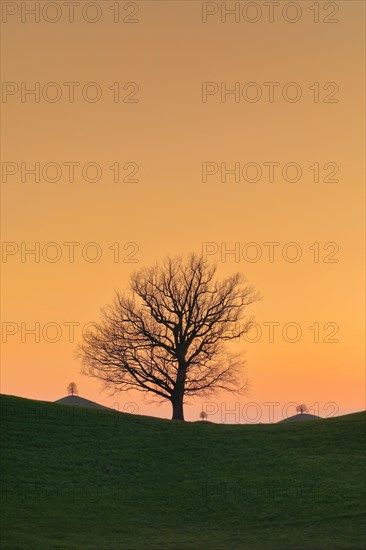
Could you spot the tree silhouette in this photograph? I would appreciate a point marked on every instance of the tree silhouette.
(301, 409)
(203, 415)
(72, 389)
(167, 335)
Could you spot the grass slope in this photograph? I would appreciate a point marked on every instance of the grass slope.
(75, 478)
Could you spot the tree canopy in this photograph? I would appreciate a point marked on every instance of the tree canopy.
(168, 334)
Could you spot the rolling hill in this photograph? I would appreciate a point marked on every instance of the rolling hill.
(304, 417)
(93, 479)
(78, 401)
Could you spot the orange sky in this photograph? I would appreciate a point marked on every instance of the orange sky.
(168, 134)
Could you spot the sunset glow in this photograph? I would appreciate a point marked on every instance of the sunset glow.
(241, 141)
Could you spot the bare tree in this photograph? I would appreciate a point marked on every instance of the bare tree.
(167, 335)
(72, 389)
(301, 409)
(203, 415)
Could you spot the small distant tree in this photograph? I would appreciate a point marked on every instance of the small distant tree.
(301, 409)
(72, 389)
(203, 415)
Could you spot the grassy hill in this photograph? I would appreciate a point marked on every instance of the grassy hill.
(75, 478)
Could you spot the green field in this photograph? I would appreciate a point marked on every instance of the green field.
(75, 478)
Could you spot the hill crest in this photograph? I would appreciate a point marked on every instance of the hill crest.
(78, 401)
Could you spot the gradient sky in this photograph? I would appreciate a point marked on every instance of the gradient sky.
(169, 133)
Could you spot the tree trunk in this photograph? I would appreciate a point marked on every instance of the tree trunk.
(177, 404)
(177, 395)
